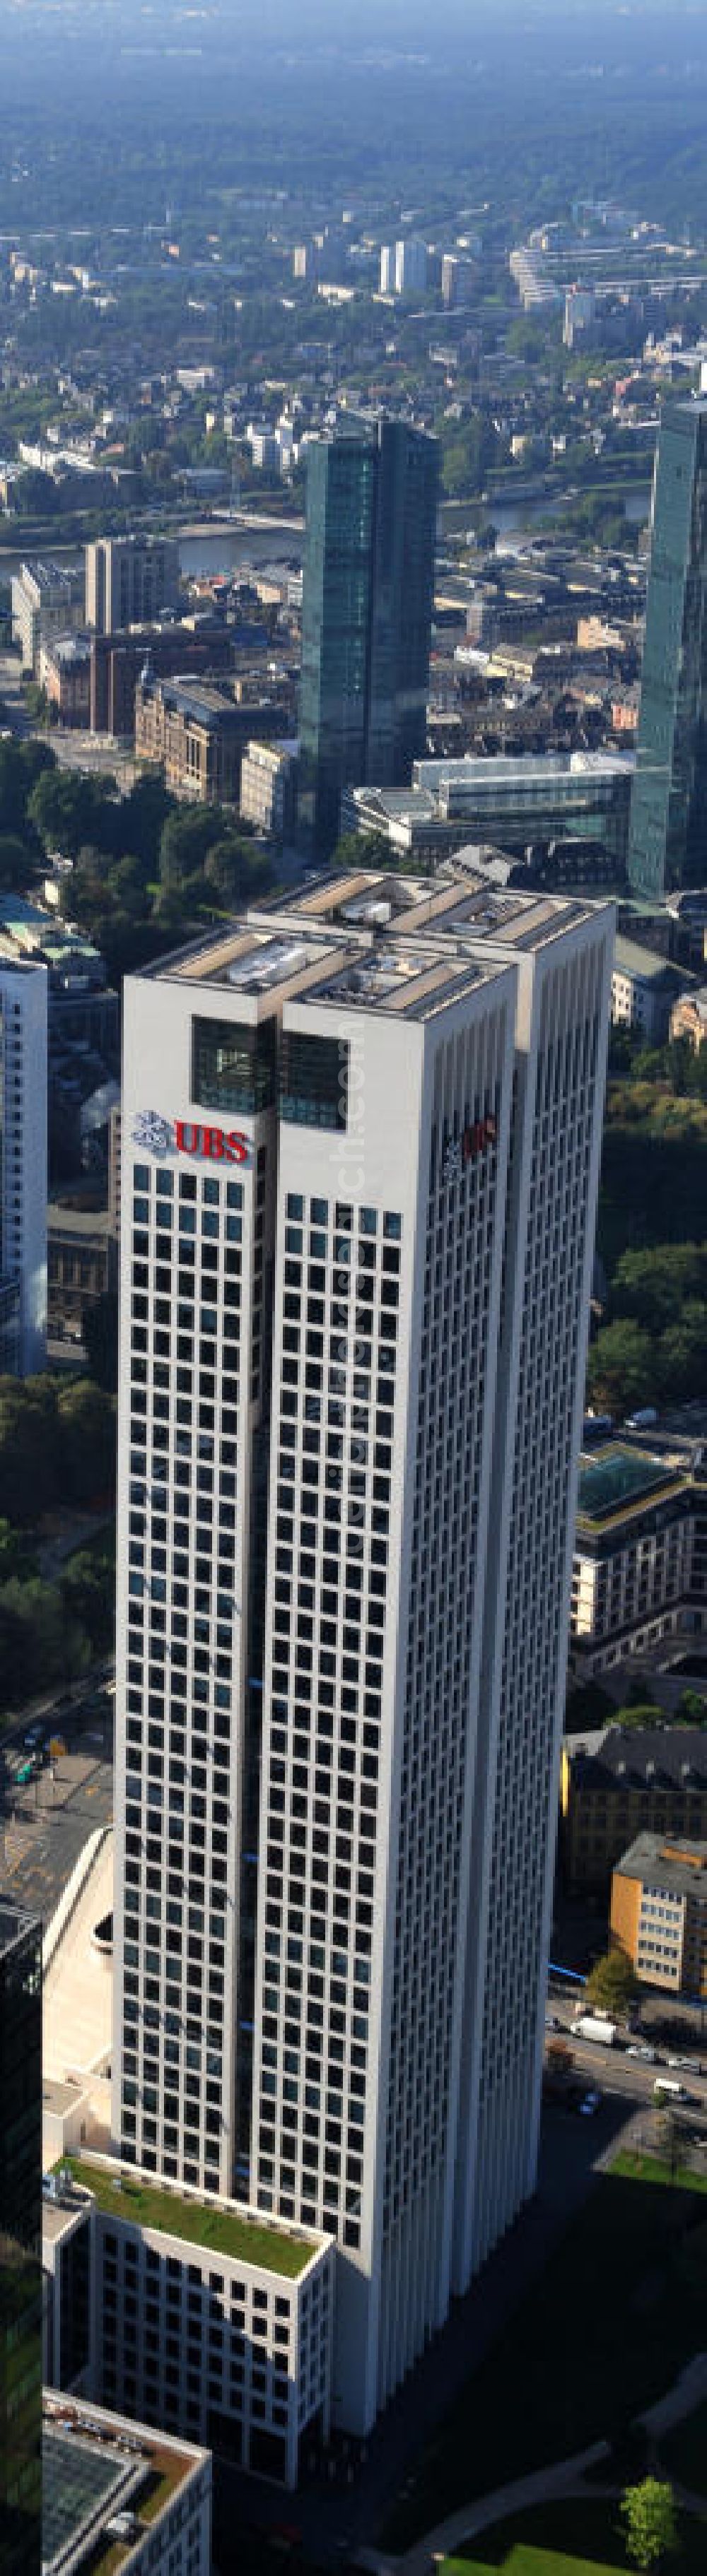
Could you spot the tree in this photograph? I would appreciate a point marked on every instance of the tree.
(652, 1286)
(691, 1709)
(70, 809)
(86, 1425)
(648, 2512)
(88, 1593)
(28, 1460)
(185, 841)
(611, 1983)
(363, 850)
(18, 864)
(621, 1368)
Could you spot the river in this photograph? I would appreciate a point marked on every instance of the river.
(214, 548)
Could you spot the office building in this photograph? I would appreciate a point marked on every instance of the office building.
(130, 580)
(202, 648)
(527, 802)
(620, 1781)
(386, 280)
(640, 1557)
(268, 796)
(410, 266)
(118, 2495)
(659, 1913)
(82, 1265)
(47, 602)
(23, 1176)
(360, 1152)
(20, 2242)
(366, 614)
(668, 832)
(203, 2316)
(198, 734)
(65, 674)
(644, 990)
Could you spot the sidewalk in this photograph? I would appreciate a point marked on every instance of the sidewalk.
(543, 2486)
(565, 2479)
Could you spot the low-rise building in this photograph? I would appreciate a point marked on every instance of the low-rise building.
(65, 673)
(202, 646)
(619, 1781)
(534, 798)
(659, 1913)
(82, 1266)
(688, 1018)
(47, 600)
(205, 2316)
(644, 989)
(118, 2496)
(269, 787)
(198, 734)
(640, 1556)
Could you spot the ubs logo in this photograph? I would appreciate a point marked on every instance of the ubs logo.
(163, 1136)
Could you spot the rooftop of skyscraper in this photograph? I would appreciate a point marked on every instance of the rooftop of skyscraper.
(392, 943)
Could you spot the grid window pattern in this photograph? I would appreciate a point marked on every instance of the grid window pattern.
(565, 1109)
(193, 1334)
(330, 1528)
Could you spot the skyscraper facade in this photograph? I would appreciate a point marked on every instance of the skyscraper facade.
(668, 828)
(366, 614)
(20, 2242)
(361, 1145)
(129, 580)
(23, 1168)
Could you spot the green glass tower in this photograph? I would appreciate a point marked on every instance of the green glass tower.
(20, 2242)
(668, 826)
(366, 614)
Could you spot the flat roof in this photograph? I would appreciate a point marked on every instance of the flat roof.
(668, 1861)
(631, 958)
(622, 1476)
(97, 2466)
(79, 2480)
(124, 2194)
(388, 930)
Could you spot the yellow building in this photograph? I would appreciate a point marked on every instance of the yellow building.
(659, 1912)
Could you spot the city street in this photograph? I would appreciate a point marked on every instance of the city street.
(44, 1825)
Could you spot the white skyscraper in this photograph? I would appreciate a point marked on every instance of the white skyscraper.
(23, 1168)
(410, 266)
(360, 1163)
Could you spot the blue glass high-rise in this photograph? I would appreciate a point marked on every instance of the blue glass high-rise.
(366, 614)
(668, 827)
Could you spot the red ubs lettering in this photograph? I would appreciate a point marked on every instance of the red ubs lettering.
(211, 1142)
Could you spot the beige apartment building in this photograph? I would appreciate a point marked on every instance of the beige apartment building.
(129, 580)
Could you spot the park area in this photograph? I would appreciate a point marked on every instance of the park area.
(607, 2330)
(573, 2537)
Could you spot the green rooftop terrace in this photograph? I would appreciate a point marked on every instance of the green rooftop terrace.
(620, 1480)
(142, 2203)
